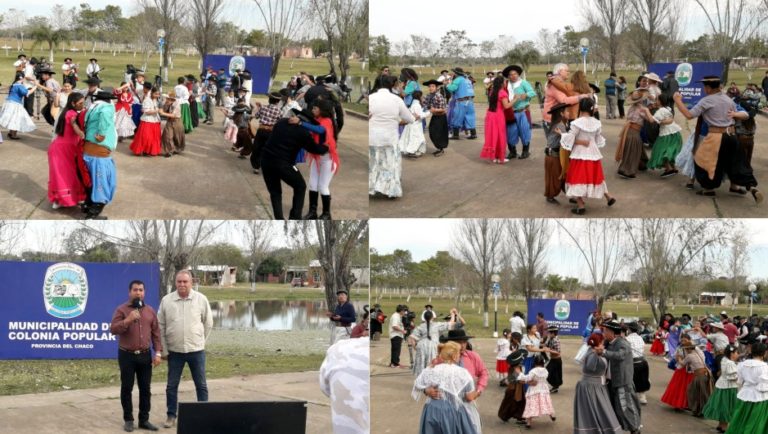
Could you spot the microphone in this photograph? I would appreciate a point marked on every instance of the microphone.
(137, 304)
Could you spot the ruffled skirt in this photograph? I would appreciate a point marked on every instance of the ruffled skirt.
(676, 394)
(14, 117)
(749, 418)
(585, 178)
(684, 160)
(721, 405)
(666, 149)
(124, 124)
(147, 139)
(384, 170)
(539, 404)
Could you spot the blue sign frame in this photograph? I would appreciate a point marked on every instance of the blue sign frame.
(64, 310)
(570, 316)
(260, 68)
(688, 76)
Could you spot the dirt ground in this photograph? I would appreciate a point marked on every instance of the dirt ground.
(391, 395)
(207, 181)
(461, 185)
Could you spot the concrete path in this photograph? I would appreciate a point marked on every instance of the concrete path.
(208, 181)
(460, 184)
(98, 411)
(391, 394)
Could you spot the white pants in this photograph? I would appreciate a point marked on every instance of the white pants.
(340, 333)
(320, 175)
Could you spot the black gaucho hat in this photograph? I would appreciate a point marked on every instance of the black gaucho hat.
(633, 326)
(456, 335)
(594, 88)
(433, 81)
(342, 291)
(613, 326)
(93, 59)
(557, 107)
(93, 80)
(459, 71)
(517, 357)
(104, 95)
(510, 68)
(711, 80)
(305, 116)
(553, 328)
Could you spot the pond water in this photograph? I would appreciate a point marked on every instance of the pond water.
(273, 314)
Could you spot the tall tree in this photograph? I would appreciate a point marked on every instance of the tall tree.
(524, 53)
(601, 245)
(378, 52)
(337, 240)
(663, 250)
(455, 45)
(738, 259)
(547, 42)
(258, 239)
(205, 14)
(478, 242)
(283, 19)
(653, 21)
(43, 33)
(526, 247)
(732, 22)
(609, 15)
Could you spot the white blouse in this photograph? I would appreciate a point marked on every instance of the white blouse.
(728, 375)
(149, 105)
(589, 129)
(386, 110)
(532, 341)
(664, 130)
(182, 94)
(540, 375)
(753, 378)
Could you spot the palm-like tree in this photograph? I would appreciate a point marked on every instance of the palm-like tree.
(44, 33)
(524, 54)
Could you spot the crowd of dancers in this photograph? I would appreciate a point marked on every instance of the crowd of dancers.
(719, 370)
(720, 147)
(89, 123)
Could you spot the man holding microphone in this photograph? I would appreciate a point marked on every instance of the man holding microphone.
(137, 328)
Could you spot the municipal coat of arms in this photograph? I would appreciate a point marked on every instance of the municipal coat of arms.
(65, 290)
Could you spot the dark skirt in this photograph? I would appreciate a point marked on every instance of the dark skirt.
(555, 370)
(640, 377)
(438, 131)
(552, 171)
(592, 409)
(173, 137)
(634, 154)
(513, 404)
(194, 113)
(698, 393)
(730, 162)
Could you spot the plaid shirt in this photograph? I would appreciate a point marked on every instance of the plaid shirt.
(435, 101)
(553, 343)
(269, 115)
(637, 344)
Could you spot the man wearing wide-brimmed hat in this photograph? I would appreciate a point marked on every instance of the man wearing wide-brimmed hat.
(436, 104)
(343, 317)
(513, 404)
(93, 68)
(520, 92)
(93, 87)
(719, 153)
(463, 115)
(100, 141)
(620, 375)
(51, 88)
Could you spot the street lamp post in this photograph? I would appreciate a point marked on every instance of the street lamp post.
(752, 288)
(160, 44)
(253, 277)
(584, 50)
(495, 279)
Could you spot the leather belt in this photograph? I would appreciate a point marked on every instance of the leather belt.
(466, 98)
(701, 371)
(135, 352)
(94, 150)
(521, 110)
(552, 152)
(722, 130)
(637, 127)
(266, 127)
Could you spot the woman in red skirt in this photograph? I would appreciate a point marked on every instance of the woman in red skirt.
(147, 140)
(585, 172)
(657, 348)
(495, 146)
(676, 394)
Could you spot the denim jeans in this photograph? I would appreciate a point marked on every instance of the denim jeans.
(176, 361)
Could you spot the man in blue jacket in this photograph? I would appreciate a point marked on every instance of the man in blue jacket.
(610, 95)
(463, 115)
(344, 316)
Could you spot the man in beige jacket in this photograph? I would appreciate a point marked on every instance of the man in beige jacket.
(185, 322)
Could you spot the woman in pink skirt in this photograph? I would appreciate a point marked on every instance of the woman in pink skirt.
(495, 146)
(585, 171)
(65, 188)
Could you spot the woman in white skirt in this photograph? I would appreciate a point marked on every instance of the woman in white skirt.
(13, 115)
(384, 161)
(123, 119)
(412, 142)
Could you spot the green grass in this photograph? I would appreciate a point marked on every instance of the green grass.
(272, 291)
(474, 318)
(114, 66)
(538, 73)
(41, 376)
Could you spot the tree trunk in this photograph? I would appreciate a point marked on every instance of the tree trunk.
(600, 302)
(275, 63)
(726, 61)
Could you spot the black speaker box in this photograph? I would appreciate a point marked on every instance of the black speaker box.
(267, 417)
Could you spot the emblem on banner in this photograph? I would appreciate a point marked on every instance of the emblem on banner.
(236, 62)
(684, 74)
(562, 310)
(65, 290)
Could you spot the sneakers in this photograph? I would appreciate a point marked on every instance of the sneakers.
(55, 205)
(170, 422)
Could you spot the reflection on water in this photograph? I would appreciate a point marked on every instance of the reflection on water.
(273, 314)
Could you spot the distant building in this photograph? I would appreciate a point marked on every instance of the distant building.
(716, 298)
(312, 274)
(302, 52)
(215, 275)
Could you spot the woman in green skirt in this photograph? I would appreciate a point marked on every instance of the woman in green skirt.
(722, 403)
(751, 414)
(669, 143)
(182, 96)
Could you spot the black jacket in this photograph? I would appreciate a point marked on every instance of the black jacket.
(285, 142)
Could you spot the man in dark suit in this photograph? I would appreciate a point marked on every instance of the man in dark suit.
(620, 374)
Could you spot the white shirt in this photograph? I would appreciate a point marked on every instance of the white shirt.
(182, 94)
(345, 379)
(92, 68)
(395, 320)
(664, 113)
(584, 128)
(149, 105)
(517, 325)
(185, 323)
(753, 378)
(502, 349)
(637, 344)
(530, 341)
(386, 110)
(728, 376)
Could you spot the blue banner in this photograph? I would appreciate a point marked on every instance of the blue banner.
(63, 310)
(259, 67)
(688, 76)
(570, 316)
